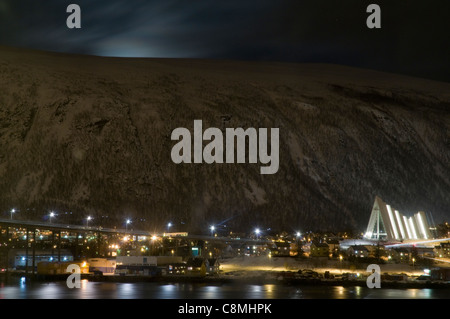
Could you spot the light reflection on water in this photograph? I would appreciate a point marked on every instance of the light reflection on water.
(104, 290)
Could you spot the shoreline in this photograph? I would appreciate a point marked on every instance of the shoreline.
(259, 279)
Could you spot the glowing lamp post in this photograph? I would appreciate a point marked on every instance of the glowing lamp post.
(12, 212)
(212, 230)
(126, 224)
(52, 214)
(87, 220)
(257, 231)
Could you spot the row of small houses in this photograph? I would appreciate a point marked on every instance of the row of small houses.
(202, 266)
(318, 249)
(330, 249)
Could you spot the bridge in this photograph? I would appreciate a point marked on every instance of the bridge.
(24, 243)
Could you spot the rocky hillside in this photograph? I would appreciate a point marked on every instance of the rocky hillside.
(90, 135)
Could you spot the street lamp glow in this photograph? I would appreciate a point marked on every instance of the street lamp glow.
(12, 212)
(126, 224)
(257, 231)
(298, 234)
(212, 229)
(52, 214)
(87, 220)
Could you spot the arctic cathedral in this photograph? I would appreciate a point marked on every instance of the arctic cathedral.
(388, 224)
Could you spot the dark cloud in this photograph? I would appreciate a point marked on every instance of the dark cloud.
(413, 39)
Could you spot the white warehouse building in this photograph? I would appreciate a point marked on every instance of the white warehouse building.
(386, 223)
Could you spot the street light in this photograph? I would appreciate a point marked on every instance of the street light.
(87, 220)
(12, 212)
(126, 224)
(212, 230)
(168, 226)
(52, 214)
(257, 231)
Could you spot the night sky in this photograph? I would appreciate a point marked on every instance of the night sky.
(413, 40)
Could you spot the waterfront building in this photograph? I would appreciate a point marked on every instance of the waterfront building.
(102, 266)
(196, 266)
(281, 249)
(213, 266)
(443, 250)
(19, 258)
(319, 249)
(358, 251)
(440, 274)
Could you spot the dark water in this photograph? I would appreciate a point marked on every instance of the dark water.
(103, 290)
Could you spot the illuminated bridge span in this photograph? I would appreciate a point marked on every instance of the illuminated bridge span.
(417, 243)
(25, 243)
(139, 234)
(386, 223)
